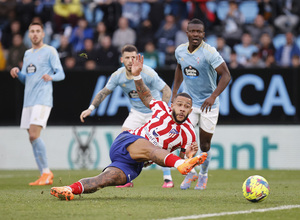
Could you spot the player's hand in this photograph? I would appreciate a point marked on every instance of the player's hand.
(137, 65)
(46, 78)
(14, 72)
(84, 114)
(207, 104)
(192, 149)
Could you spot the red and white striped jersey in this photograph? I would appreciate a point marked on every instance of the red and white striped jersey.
(162, 131)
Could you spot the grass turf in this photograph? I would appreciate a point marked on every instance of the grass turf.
(147, 199)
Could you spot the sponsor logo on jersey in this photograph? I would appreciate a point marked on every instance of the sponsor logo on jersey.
(134, 95)
(191, 72)
(30, 68)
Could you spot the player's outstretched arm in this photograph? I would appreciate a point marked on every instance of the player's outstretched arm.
(166, 94)
(101, 95)
(142, 90)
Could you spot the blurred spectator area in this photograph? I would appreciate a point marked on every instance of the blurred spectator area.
(161, 22)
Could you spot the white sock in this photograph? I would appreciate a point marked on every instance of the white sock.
(179, 162)
(193, 171)
(167, 177)
(46, 170)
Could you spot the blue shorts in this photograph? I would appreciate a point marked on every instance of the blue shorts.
(120, 157)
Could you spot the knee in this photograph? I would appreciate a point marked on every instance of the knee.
(33, 136)
(205, 147)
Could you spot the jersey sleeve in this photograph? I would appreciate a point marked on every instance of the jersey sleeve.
(22, 72)
(177, 55)
(112, 82)
(158, 83)
(21, 77)
(214, 58)
(158, 105)
(56, 65)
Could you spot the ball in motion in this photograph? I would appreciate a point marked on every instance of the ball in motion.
(256, 188)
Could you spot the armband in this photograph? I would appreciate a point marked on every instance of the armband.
(137, 77)
(92, 107)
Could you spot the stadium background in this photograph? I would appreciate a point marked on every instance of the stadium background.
(259, 121)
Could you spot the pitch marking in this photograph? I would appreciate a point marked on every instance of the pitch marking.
(234, 213)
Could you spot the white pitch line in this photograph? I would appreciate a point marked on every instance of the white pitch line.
(233, 213)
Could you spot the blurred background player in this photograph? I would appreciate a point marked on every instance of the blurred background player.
(39, 65)
(139, 113)
(198, 65)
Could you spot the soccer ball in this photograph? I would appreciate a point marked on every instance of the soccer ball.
(256, 188)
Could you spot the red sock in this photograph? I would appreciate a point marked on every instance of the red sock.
(77, 188)
(170, 160)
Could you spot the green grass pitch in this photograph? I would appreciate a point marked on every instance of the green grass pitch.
(147, 199)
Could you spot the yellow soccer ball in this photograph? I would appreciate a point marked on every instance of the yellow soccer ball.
(256, 188)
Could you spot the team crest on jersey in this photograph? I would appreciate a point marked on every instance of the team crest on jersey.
(30, 69)
(198, 60)
(134, 95)
(173, 133)
(191, 72)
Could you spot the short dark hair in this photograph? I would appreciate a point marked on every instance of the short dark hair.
(184, 95)
(196, 21)
(36, 23)
(129, 48)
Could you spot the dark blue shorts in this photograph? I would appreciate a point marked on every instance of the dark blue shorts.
(120, 157)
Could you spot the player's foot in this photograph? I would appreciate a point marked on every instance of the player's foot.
(190, 163)
(130, 184)
(168, 184)
(35, 183)
(46, 179)
(202, 181)
(63, 193)
(190, 177)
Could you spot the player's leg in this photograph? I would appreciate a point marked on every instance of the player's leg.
(122, 170)
(191, 176)
(135, 119)
(130, 123)
(35, 119)
(39, 149)
(112, 176)
(143, 150)
(208, 122)
(205, 141)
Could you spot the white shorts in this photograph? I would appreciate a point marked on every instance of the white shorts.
(136, 119)
(206, 121)
(36, 115)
